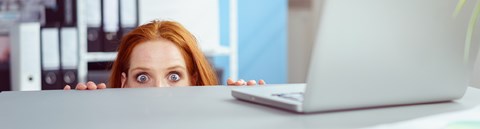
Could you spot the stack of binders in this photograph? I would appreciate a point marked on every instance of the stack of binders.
(59, 45)
(108, 21)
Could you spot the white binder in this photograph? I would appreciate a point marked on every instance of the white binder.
(110, 15)
(25, 57)
(93, 13)
(128, 11)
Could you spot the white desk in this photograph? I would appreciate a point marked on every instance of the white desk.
(187, 107)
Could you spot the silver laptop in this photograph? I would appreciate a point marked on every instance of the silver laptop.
(371, 53)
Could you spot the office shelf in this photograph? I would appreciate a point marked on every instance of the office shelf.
(101, 56)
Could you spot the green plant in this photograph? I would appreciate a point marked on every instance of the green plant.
(471, 25)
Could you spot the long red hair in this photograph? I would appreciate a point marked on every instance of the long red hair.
(201, 72)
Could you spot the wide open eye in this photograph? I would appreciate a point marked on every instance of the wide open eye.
(142, 78)
(174, 77)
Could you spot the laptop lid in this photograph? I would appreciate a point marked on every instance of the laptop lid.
(386, 52)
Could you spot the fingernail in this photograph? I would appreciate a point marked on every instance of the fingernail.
(79, 84)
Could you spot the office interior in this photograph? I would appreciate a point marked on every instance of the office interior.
(79, 37)
(47, 44)
(275, 37)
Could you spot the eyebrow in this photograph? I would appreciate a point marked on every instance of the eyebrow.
(176, 67)
(169, 68)
(140, 68)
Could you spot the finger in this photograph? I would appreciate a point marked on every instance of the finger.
(91, 86)
(67, 87)
(251, 83)
(261, 82)
(240, 82)
(101, 86)
(81, 86)
(230, 81)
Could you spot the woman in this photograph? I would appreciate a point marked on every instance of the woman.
(160, 54)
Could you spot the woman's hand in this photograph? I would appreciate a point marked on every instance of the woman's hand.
(241, 82)
(89, 86)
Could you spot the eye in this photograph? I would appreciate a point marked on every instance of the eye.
(174, 77)
(142, 78)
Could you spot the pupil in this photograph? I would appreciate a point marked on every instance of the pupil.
(174, 77)
(142, 78)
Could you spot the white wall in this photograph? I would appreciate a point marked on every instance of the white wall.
(200, 17)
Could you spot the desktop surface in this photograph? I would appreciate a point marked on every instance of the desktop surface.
(188, 107)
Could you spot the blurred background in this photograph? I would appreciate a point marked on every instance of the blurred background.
(77, 39)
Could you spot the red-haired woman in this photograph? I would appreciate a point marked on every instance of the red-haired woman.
(160, 54)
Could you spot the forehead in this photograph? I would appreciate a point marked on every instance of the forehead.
(159, 53)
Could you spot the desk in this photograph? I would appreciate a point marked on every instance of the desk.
(187, 107)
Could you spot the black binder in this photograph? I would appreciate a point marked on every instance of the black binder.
(94, 39)
(128, 16)
(69, 55)
(110, 25)
(95, 34)
(69, 43)
(68, 12)
(59, 42)
(50, 51)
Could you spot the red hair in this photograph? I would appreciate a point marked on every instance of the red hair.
(200, 71)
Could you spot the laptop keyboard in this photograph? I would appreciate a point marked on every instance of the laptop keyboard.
(295, 96)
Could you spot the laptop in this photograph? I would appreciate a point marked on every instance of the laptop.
(375, 53)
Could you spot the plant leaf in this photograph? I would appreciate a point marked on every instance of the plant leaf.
(471, 27)
(459, 7)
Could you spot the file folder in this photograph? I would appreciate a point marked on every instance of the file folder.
(128, 13)
(52, 13)
(50, 51)
(111, 25)
(94, 39)
(94, 23)
(25, 57)
(69, 55)
(128, 16)
(68, 13)
(5, 69)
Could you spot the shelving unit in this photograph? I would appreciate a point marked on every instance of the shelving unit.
(82, 43)
(85, 57)
(100, 56)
